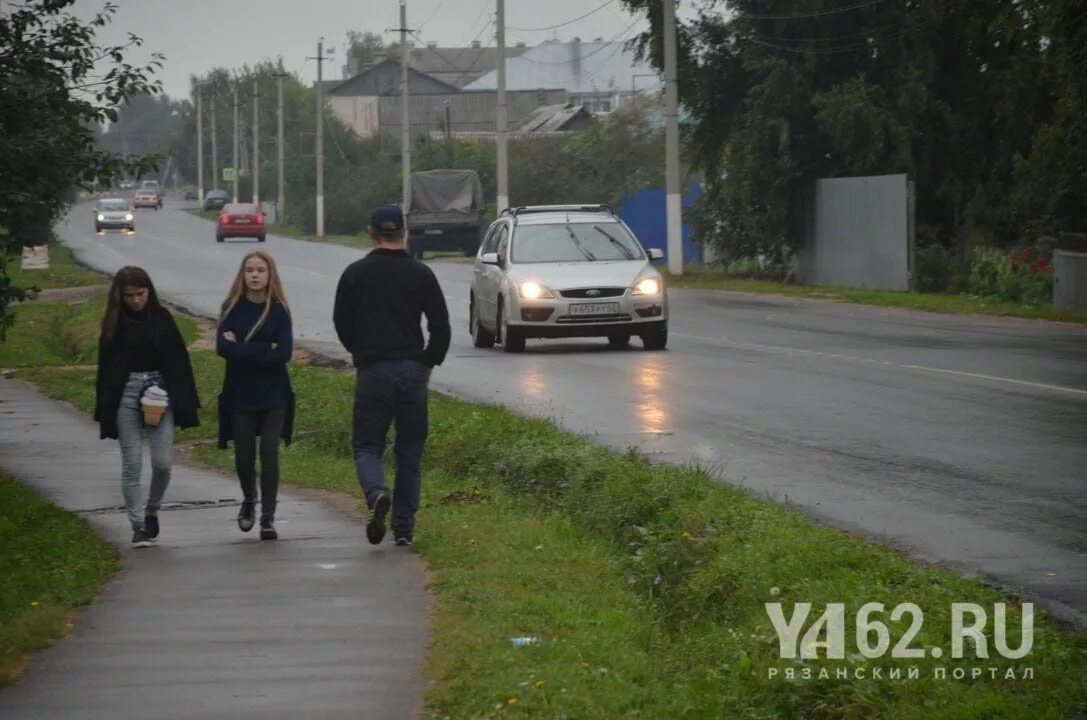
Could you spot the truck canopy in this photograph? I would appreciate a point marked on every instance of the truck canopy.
(447, 193)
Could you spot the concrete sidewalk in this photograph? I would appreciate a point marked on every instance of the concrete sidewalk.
(211, 622)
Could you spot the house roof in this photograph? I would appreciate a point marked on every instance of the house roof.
(459, 66)
(384, 79)
(577, 67)
(553, 118)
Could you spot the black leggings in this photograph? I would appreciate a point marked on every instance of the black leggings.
(269, 425)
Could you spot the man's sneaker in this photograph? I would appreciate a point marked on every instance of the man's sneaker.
(403, 541)
(267, 529)
(140, 539)
(151, 525)
(245, 517)
(375, 521)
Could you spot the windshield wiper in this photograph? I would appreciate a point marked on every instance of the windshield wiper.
(626, 251)
(577, 242)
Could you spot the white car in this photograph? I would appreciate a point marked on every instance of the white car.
(562, 271)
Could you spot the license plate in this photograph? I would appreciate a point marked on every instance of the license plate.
(432, 232)
(594, 308)
(243, 221)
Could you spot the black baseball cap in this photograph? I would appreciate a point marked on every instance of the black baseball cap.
(387, 219)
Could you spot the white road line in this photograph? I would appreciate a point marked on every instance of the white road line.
(725, 342)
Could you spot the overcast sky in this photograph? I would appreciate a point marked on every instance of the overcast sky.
(197, 35)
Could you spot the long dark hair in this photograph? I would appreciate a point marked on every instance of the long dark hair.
(129, 276)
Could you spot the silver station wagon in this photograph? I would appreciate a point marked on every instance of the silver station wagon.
(562, 271)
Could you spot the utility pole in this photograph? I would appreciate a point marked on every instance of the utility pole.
(234, 157)
(674, 202)
(405, 126)
(214, 149)
(281, 198)
(199, 149)
(501, 117)
(320, 140)
(256, 145)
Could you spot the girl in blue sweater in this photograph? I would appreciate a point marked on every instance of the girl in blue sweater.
(257, 401)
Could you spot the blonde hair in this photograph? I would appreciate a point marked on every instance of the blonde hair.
(274, 292)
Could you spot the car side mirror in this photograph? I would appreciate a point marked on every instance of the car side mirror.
(489, 259)
(656, 254)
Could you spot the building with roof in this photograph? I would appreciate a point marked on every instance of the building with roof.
(600, 75)
(456, 66)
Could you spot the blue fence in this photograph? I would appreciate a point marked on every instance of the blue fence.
(645, 213)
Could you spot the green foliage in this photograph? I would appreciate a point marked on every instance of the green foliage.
(57, 84)
(1020, 276)
(938, 270)
(982, 104)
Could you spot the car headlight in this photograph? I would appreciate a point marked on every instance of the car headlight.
(647, 286)
(534, 291)
(101, 217)
(128, 217)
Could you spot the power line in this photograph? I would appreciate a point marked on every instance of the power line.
(431, 17)
(811, 14)
(563, 24)
(603, 46)
(867, 44)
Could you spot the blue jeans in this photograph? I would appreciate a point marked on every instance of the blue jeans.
(390, 392)
(130, 436)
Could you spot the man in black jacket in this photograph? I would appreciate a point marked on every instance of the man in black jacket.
(380, 302)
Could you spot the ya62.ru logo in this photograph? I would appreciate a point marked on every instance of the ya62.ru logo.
(969, 622)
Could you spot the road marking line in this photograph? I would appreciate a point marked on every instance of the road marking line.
(725, 342)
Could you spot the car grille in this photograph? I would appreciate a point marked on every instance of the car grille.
(592, 319)
(604, 292)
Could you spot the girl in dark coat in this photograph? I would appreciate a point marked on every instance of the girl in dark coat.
(140, 347)
(256, 340)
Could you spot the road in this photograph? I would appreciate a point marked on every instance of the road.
(961, 440)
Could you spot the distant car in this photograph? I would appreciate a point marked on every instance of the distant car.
(113, 214)
(240, 220)
(127, 185)
(147, 199)
(188, 192)
(563, 271)
(149, 185)
(216, 199)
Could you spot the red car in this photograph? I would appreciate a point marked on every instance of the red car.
(240, 220)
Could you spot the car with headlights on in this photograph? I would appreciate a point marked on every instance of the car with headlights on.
(113, 214)
(563, 271)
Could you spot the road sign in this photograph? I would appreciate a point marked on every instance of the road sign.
(229, 174)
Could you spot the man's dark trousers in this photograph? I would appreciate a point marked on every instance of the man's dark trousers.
(388, 392)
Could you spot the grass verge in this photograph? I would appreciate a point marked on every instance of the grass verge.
(697, 278)
(63, 272)
(645, 584)
(51, 563)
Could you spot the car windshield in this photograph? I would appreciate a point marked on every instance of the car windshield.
(240, 209)
(575, 242)
(113, 207)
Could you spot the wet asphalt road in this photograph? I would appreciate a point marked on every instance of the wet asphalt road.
(962, 440)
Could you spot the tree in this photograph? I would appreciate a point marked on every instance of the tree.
(782, 92)
(364, 49)
(57, 85)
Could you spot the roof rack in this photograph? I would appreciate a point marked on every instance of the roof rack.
(527, 209)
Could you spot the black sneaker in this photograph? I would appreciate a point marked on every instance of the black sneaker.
(375, 521)
(403, 541)
(151, 525)
(245, 517)
(140, 539)
(267, 529)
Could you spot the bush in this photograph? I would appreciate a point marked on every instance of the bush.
(938, 270)
(1021, 276)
